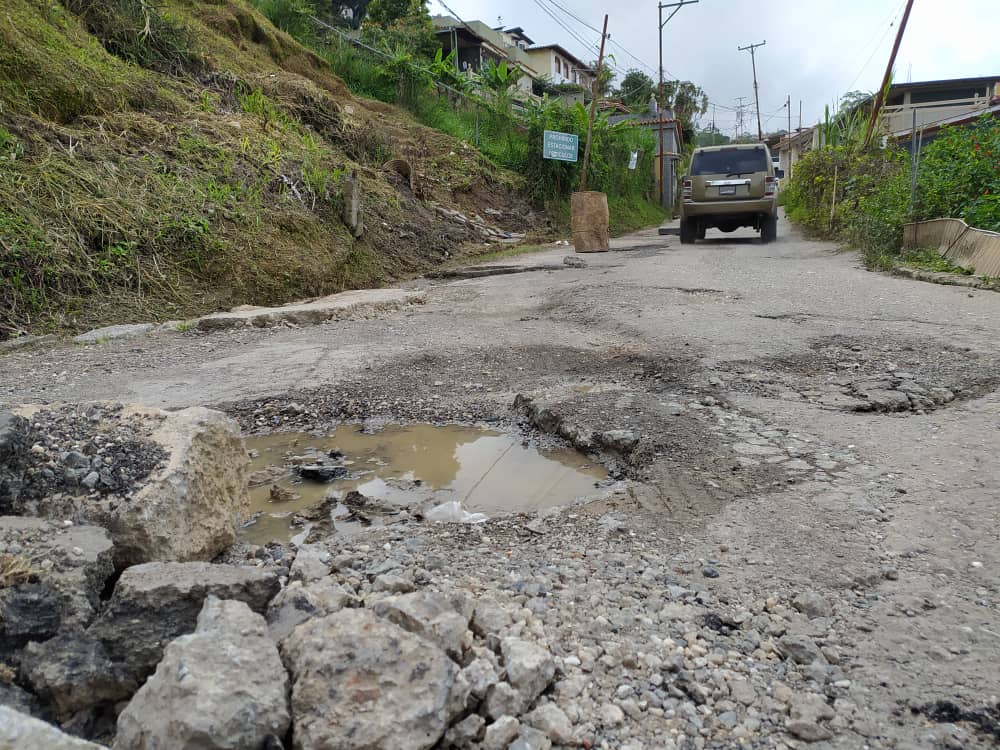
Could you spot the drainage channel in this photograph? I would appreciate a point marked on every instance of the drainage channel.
(402, 469)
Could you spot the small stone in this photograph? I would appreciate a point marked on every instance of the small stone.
(394, 584)
(808, 731)
(710, 572)
(90, 481)
(609, 715)
(531, 739)
(552, 720)
(466, 732)
(812, 605)
(501, 733)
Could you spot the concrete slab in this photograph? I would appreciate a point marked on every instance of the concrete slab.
(23, 342)
(113, 332)
(361, 303)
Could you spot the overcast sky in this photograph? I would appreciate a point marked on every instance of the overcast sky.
(816, 49)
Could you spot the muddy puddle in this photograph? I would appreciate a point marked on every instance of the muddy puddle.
(413, 467)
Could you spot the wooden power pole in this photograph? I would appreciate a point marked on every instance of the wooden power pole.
(593, 109)
(880, 97)
(756, 96)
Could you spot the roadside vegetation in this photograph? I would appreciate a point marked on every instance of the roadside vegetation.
(862, 197)
(395, 59)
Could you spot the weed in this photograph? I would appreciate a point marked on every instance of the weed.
(138, 32)
(931, 260)
(15, 570)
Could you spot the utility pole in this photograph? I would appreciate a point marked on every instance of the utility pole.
(788, 105)
(659, 115)
(713, 124)
(753, 61)
(880, 97)
(740, 108)
(593, 109)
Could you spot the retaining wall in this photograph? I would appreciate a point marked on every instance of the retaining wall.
(963, 245)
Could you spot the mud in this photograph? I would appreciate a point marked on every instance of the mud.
(408, 468)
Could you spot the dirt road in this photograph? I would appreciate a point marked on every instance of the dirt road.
(808, 443)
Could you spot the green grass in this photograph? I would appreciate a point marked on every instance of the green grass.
(931, 260)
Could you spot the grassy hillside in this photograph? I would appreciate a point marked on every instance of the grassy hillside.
(160, 162)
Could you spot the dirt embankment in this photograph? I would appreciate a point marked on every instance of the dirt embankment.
(204, 165)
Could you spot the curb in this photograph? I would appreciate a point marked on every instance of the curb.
(942, 278)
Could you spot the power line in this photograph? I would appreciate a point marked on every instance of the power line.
(878, 45)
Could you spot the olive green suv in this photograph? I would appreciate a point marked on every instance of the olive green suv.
(730, 187)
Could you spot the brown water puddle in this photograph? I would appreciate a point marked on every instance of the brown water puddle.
(413, 466)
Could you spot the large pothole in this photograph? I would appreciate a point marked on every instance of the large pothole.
(356, 477)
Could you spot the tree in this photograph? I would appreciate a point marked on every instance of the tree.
(606, 77)
(636, 90)
(852, 99)
(388, 12)
(689, 103)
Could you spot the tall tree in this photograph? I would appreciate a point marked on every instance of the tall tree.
(636, 89)
(689, 103)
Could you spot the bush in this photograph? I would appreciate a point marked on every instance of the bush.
(958, 176)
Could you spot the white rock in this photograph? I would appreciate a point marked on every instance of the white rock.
(501, 733)
(221, 688)
(21, 732)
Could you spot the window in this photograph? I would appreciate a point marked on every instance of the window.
(730, 161)
(558, 66)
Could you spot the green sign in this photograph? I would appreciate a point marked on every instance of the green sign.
(560, 146)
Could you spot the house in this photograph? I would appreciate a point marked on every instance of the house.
(790, 147)
(475, 43)
(937, 103)
(560, 66)
(666, 129)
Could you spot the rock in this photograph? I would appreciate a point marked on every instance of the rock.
(393, 584)
(807, 730)
(800, 649)
(465, 733)
(361, 682)
(72, 672)
(622, 441)
(742, 692)
(573, 262)
(489, 619)
(710, 572)
(481, 676)
(551, 720)
(154, 603)
(18, 699)
(311, 563)
(81, 563)
(531, 739)
(28, 612)
(530, 668)
(321, 473)
(191, 508)
(501, 733)
(812, 605)
(503, 700)
(221, 688)
(107, 333)
(20, 732)
(441, 618)
(609, 715)
(299, 602)
(13, 445)
(24, 342)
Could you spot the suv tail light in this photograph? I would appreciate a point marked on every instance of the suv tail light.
(687, 185)
(770, 185)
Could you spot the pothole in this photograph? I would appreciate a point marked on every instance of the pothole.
(862, 375)
(353, 478)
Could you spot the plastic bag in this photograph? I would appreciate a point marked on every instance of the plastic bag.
(453, 512)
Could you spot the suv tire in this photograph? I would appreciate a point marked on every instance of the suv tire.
(689, 231)
(769, 229)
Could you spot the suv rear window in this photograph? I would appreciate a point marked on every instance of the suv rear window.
(729, 161)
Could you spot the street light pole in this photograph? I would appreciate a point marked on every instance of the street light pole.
(659, 115)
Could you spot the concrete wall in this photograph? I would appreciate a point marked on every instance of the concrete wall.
(963, 245)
